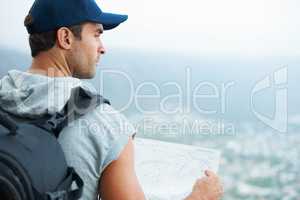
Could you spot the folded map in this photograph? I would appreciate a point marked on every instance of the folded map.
(168, 171)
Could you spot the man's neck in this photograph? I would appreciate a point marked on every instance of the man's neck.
(50, 63)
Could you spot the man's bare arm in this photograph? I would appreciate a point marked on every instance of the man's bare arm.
(119, 180)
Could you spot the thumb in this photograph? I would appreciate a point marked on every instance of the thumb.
(208, 173)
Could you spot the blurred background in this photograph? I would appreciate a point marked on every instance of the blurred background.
(220, 74)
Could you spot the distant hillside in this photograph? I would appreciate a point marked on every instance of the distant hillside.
(13, 59)
(159, 68)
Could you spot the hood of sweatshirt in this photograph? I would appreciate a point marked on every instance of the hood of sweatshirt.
(30, 95)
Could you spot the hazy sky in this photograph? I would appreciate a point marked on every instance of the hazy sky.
(238, 27)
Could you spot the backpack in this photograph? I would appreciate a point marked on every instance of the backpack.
(32, 163)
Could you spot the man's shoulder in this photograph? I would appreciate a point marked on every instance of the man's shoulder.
(104, 119)
(97, 137)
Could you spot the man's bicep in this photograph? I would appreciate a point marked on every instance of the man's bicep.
(119, 180)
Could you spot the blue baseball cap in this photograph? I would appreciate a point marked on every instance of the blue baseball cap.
(49, 15)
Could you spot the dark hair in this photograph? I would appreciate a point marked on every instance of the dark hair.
(44, 41)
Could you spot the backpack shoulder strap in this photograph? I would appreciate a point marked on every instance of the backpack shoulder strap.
(63, 191)
(7, 122)
(80, 103)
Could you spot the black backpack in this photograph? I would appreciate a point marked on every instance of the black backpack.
(32, 163)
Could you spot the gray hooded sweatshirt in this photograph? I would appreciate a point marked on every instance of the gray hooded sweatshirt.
(90, 143)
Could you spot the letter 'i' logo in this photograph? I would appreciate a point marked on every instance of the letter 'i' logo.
(279, 81)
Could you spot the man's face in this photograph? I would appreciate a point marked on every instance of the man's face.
(85, 53)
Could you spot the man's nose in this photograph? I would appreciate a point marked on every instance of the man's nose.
(101, 48)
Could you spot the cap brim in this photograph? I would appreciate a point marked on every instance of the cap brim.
(110, 20)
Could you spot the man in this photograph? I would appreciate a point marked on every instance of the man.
(65, 43)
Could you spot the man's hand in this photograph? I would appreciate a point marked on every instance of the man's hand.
(207, 188)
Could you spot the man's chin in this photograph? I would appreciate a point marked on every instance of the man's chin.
(88, 75)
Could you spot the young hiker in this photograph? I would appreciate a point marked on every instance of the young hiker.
(65, 42)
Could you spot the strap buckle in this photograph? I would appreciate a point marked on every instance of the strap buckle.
(59, 195)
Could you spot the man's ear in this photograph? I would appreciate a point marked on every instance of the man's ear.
(65, 38)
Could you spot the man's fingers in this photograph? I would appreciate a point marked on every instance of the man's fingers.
(212, 176)
(210, 173)
(207, 172)
(213, 179)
